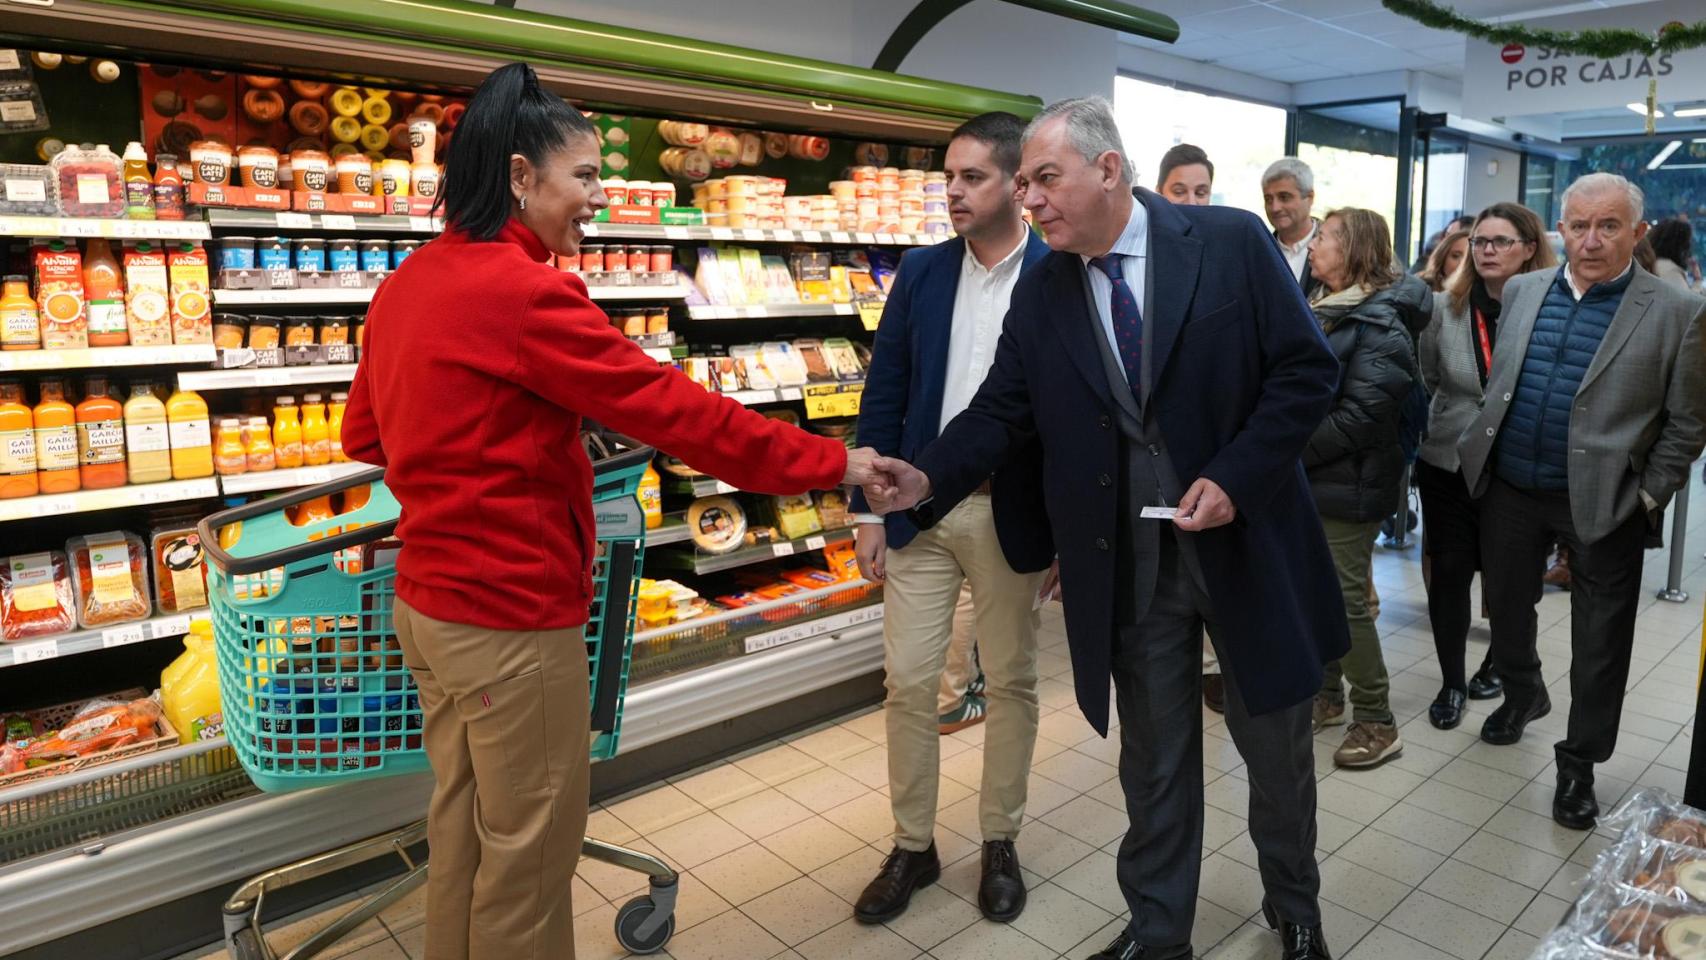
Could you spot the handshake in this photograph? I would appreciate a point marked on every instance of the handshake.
(890, 485)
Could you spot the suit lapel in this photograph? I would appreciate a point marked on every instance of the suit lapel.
(1076, 321)
(1175, 259)
(1636, 299)
(1511, 350)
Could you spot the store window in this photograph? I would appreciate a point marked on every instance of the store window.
(1240, 137)
(1353, 149)
(1671, 172)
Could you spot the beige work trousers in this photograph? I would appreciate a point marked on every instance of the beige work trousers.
(961, 668)
(506, 723)
(919, 596)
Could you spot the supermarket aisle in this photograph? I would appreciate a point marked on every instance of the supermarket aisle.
(1447, 853)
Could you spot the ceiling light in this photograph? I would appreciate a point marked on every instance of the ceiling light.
(1664, 154)
(1641, 109)
(1690, 112)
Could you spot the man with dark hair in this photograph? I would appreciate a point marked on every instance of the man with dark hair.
(935, 344)
(1186, 175)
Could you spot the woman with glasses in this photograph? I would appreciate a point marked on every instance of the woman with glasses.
(1456, 354)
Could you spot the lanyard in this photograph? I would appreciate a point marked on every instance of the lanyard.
(1486, 347)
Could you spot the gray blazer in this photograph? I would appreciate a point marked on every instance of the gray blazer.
(1446, 354)
(1640, 416)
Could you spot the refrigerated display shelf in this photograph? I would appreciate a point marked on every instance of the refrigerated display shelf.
(652, 231)
(265, 377)
(703, 563)
(762, 311)
(740, 632)
(289, 479)
(223, 219)
(114, 498)
(87, 641)
(18, 361)
(674, 530)
(79, 227)
(361, 295)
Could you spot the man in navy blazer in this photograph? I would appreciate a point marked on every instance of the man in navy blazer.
(936, 341)
(1167, 362)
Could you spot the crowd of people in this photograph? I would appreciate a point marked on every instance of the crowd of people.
(1197, 428)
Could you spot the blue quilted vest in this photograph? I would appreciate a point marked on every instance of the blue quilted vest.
(1533, 449)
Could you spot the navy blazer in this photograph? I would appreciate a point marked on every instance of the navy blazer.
(901, 411)
(1242, 378)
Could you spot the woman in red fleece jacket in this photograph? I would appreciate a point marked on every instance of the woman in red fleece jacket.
(480, 360)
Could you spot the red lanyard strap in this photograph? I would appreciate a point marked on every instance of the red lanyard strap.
(1486, 347)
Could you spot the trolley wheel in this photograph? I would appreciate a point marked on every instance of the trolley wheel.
(628, 920)
(243, 945)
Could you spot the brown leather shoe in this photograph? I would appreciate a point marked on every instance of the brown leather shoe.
(1214, 692)
(1559, 573)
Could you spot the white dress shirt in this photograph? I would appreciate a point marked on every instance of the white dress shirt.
(1133, 246)
(1297, 254)
(980, 306)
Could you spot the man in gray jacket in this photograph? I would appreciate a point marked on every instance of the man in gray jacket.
(1595, 408)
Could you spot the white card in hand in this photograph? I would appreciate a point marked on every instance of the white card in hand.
(1160, 513)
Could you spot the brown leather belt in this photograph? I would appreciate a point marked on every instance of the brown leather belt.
(983, 489)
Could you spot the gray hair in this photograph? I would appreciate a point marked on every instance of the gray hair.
(1090, 128)
(1598, 182)
(1294, 168)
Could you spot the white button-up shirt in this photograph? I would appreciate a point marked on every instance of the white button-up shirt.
(980, 306)
(1297, 254)
(1133, 246)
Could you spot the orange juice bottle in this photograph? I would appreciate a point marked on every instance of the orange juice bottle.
(311, 511)
(335, 426)
(20, 319)
(286, 434)
(100, 437)
(147, 440)
(259, 449)
(103, 289)
(56, 440)
(229, 456)
(192, 440)
(316, 435)
(17, 443)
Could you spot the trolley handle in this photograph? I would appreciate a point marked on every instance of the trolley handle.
(209, 526)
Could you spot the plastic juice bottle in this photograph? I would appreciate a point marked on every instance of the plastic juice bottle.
(147, 438)
(168, 188)
(192, 440)
(229, 456)
(100, 437)
(286, 434)
(311, 511)
(17, 443)
(335, 426)
(259, 449)
(316, 434)
(651, 497)
(103, 294)
(138, 183)
(189, 687)
(56, 440)
(20, 319)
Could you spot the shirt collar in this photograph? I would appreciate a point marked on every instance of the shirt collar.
(1303, 244)
(1570, 280)
(1134, 239)
(1002, 266)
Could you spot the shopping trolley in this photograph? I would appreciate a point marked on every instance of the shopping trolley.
(316, 693)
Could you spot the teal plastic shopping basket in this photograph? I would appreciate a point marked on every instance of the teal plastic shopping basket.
(314, 686)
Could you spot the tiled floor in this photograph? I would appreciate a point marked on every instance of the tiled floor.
(1447, 853)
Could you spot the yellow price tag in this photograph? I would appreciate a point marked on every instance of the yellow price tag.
(870, 314)
(833, 401)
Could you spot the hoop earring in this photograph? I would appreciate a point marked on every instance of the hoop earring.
(524, 202)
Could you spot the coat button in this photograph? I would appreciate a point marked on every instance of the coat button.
(1101, 543)
(1155, 450)
(1105, 422)
(1491, 431)
(1105, 480)
(1507, 398)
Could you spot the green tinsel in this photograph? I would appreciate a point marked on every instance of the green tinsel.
(1603, 44)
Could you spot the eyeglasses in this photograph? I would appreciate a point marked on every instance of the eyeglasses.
(1501, 244)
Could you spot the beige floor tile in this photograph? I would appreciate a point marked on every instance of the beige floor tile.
(413, 939)
(1046, 851)
(1566, 884)
(1543, 914)
(1213, 924)
(1438, 833)
(595, 936)
(1360, 889)
(740, 875)
(850, 939)
(1341, 794)
(1475, 778)
(829, 742)
(1066, 727)
(615, 883)
(1230, 793)
(1093, 879)
(870, 767)
(1390, 856)
(870, 817)
(1043, 795)
(812, 844)
(1058, 918)
(779, 764)
(699, 840)
(1518, 763)
(1220, 827)
(1387, 780)
(1472, 888)
(286, 936)
(1075, 770)
(848, 876)
(1112, 793)
(962, 818)
(1089, 820)
(1514, 861)
(720, 785)
(1249, 942)
(411, 910)
(764, 813)
(1343, 928)
(983, 940)
(603, 825)
(1462, 933)
(1454, 802)
(1231, 885)
(933, 916)
(1106, 749)
(696, 903)
(659, 807)
(797, 911)
(1385, 943)
(1535, 830)
(870, 724)
(1514, 945)
(732, 936)
(822, 789)
(965, 768)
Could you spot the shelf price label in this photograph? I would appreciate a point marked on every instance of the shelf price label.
(420, 225)
(753, 235)
(833, 400)
(676, 233)
(783, 549)
(23, 653)
(294, 221)
(811, 236)
(785, 236)
(815, 543)
(337, 221)
(169, 626)
(722, 233)
(123, 636)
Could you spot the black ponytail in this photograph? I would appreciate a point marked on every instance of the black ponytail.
(509, 114)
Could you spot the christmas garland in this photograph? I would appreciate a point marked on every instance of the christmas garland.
(1603, 44)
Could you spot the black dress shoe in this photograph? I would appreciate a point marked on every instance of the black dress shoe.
(1297, 942)
(1446, 712)
(903, 872)
(1001, 894)
(1485, 684)
(1506, 724)
(1125, 948)
(1574, 805)
(1214, 692)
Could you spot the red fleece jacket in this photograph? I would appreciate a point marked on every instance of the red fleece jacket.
(478, 363)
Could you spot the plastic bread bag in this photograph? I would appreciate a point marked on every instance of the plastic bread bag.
(1655, 812)
(1618, 920)
(1639, 862)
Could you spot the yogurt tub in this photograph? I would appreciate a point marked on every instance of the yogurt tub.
(311, 254)
(272, 253)
(237, 253)
(400, 250)
(343, 255)
(376, 255)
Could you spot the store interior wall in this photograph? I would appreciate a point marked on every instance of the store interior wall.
(1482, 188)
(985, 44)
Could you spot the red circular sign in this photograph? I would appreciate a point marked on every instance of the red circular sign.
(1513, 52)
